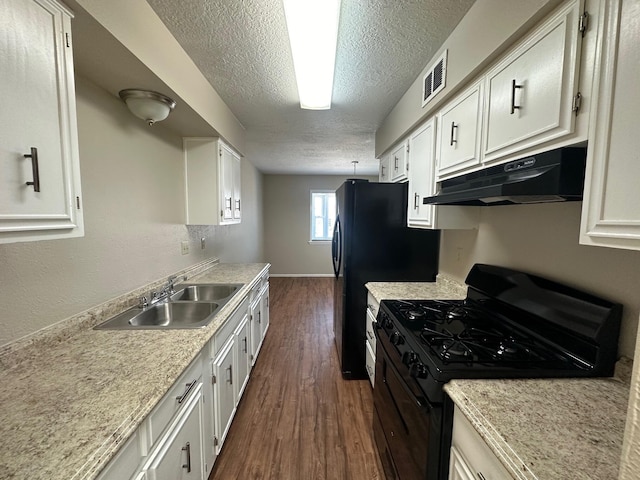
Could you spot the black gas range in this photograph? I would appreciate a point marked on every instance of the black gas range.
(510, 325)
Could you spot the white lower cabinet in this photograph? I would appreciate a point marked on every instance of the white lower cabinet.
(184, 433)
(370, 341)
(179, 454)
(243, 359)
(471, 458)
(224, 398)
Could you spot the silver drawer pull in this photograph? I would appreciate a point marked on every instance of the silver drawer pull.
(514, 87)
(34, 168)
(369, 334)
(230, 368)
(187, 448)
(187, 390)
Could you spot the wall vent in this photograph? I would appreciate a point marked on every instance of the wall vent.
(434, 79)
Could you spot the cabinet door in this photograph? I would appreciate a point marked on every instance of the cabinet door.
(226, 184)
(530, 93)
(224, 394)
(458, 468)
(256, 329)
(243, 360)
(180, 454)
(40, 177)
(421, 174)
(610, 214)
(237, 178)
(264, 311)
(459, 135)
(398, 163)
(384, 174)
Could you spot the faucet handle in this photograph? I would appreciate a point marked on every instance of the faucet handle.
(144, 302)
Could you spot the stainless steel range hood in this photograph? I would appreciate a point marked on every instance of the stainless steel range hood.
(554, 176)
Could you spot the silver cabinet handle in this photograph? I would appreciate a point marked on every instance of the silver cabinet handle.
(259, 316)
(187, 390)
(227, 199)
(514, 87)
(230, 374)
(395, 163)
(245, 344)
(382, 174)
(453, 129)
(187, 448)
(416, 201)
(369, 335)
(238, 204)
(34, 168)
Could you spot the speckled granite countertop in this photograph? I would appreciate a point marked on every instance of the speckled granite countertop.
(71, 395)
(550, 429)
(443, 288)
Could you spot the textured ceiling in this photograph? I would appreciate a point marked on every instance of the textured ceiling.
(242, 48)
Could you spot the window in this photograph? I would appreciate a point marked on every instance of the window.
(323, 214)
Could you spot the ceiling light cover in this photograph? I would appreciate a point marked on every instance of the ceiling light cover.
(313, 34)
(148, 105)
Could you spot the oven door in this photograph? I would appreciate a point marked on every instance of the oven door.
(401, 421)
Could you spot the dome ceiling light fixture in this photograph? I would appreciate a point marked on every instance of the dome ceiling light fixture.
(148, 105)
(313, 35)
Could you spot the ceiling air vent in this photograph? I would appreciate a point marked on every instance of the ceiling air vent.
(434, 80)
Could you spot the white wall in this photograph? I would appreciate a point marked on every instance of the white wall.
(133, 207)
(287, 224)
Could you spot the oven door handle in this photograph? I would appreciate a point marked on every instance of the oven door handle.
(420, 401)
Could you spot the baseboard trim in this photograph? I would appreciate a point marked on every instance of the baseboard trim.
(301, 274)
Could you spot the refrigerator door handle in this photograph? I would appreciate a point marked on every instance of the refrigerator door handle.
(336, 247)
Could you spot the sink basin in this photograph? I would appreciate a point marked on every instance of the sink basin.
(204, 292)
(191, 306)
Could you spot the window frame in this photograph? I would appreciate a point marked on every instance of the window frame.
(312, 240)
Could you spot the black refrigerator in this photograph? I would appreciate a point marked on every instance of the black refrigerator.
(372, 243)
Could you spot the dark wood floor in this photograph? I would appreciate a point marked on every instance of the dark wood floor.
(298, 419)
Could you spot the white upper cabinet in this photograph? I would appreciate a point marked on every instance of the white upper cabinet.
(421, 181)
(422, 184)
(212, 182)
(459, 136)
(383, 174)
(611, 213)
(530, 93)
(398, 159)
(40, 194)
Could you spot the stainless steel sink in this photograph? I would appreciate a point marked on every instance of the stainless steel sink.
(204, 292)
(191, 306)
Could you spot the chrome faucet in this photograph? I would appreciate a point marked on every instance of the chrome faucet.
(167, 289)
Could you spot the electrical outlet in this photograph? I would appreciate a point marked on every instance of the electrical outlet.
(202, 243)
(185, 247)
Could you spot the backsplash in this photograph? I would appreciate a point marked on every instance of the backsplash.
(13, 353)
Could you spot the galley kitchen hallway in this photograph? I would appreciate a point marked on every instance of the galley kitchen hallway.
(298, 419)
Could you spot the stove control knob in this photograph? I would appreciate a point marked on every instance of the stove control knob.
(409, 358)
(418, 370)
(396, 338)
(387, 323)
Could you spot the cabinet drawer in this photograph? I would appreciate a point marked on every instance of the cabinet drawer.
(126, 462)
(476, 453)
(183, 389)
(223, 334)
(372, 305)
(371, 336)
(370, 363)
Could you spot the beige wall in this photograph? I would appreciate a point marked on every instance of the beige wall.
(133, 211)
(287, 224)
(543, 239)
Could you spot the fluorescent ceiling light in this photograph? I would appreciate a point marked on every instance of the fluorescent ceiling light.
(313, 34)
